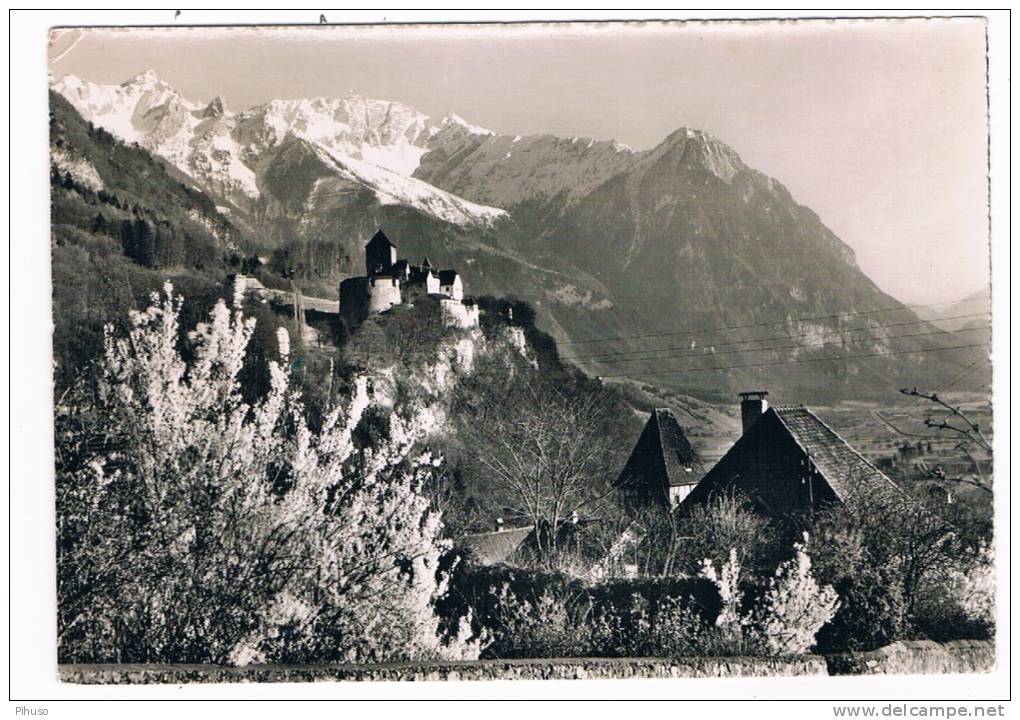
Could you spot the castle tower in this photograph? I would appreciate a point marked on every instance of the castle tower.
(380, 255)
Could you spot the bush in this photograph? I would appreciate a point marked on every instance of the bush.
(784, 618)
(902, 570)
(958, 603)
(871, 613)
(541, 627)
(526, 613)
(722, 525)
(794, 607)
(194, 526)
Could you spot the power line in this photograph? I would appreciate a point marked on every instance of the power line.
(795, 362)
(762, 324)
(596, 356)
(500, 364)
(782, 347)
(960, 376)
(704, 353)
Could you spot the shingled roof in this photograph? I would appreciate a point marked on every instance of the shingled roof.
(662, 450)
(379, 239)
(844, 469)
(495, 547)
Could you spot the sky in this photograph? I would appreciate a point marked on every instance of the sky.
(879, 126)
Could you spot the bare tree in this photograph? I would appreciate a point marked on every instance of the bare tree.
(551, 448)
(955, 423)
(910, 538)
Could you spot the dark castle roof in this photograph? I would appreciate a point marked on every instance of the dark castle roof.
(447, 277)
(663, 454)
(844, 469)
(378, 239)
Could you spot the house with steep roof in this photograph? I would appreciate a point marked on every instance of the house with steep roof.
(788, 461)
(663, 467)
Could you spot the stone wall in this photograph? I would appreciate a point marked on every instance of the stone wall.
(917, 657)
(572, 669)
(914, 657)
(354, 299)
(457, 314)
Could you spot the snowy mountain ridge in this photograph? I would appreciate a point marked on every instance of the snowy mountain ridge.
(222, 149)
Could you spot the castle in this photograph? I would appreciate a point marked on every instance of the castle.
(389, 282)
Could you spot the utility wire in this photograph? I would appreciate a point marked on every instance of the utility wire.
(795, 346)
(960, 375)
(703, 352)
(634, 352)
(794, 362)
(595, 357)
(760, 324)
(500, 364)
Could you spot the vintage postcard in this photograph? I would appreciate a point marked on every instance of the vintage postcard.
(522, 351)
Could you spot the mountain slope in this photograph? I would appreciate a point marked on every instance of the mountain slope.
(378, 142)
(121, 223)
(685, 237)
(677, 266)
(960, 314)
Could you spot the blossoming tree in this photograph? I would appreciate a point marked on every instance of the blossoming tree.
(193, 526)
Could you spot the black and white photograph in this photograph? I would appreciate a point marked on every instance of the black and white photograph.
(562, 353)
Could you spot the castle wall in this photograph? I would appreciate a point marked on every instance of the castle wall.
(354, 300)
(383, 293)
(457, 314)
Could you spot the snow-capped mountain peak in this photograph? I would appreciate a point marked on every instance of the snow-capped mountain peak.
(147, 78)
(222, 149)
(453, 119)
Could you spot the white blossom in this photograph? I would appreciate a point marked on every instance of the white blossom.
(250, 537)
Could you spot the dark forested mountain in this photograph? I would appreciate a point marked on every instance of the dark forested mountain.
(122, 222)
(674, 267)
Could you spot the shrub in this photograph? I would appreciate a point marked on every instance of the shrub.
(540, 627)
(621, 630)
(784, 619)
(716, 529)
(794, 607)
(902, 568)
(668, 627)
(871, 613)
(526, 613)
(194, 526)
(959, 602)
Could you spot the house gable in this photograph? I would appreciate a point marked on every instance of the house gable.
(662, 460)
(768, 467)
(790, 461)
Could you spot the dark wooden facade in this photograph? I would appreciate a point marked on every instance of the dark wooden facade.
(662, 466)
(789, 462)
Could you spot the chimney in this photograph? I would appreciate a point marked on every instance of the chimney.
(752, 404)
